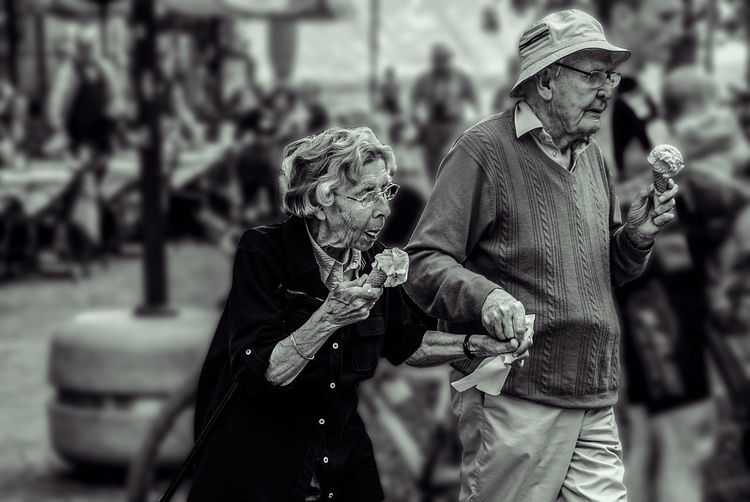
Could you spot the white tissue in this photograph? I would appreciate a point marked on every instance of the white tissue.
(490, 375)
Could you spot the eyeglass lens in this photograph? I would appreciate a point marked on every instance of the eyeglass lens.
(388, 194)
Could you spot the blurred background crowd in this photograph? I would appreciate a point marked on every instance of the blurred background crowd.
(233, 82)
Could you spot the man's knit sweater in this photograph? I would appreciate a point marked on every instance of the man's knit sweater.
(503, 214)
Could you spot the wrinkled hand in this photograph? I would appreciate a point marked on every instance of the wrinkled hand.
(350, 302)
(486, 346)
(649, 214)
(504, 317)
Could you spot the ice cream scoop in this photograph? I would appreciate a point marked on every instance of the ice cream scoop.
(666, 161)
(389, 269)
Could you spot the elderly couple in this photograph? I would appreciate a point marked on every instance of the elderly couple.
(523, 220)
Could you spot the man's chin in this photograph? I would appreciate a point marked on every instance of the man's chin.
(591, 127)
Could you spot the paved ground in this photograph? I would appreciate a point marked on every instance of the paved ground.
(31, 309)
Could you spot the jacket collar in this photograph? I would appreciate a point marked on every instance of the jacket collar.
(297, 247)
(299, 251)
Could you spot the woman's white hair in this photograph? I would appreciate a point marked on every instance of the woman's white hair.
(313, 167)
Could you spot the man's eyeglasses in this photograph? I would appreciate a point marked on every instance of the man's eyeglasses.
(370, 198)
(597, 78)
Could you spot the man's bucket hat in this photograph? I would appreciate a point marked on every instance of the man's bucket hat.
(558, 35)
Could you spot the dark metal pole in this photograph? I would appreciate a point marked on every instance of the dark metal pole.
(153, 196)
(11, 24)
(40, 46)
(374, 49)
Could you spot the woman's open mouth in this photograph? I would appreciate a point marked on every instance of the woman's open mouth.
(372, 234)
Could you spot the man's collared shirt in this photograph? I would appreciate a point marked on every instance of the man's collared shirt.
(526, 121)
(332, 271)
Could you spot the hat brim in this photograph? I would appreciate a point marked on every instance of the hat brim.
(621, 55)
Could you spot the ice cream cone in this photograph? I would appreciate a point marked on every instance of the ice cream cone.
(661, 181)
(377, 278)
(666, 161)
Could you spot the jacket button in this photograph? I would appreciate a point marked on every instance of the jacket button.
(321, 421)
(333, 385)
(248, 352)
(335, 345)
(330, 495)
(325, 460)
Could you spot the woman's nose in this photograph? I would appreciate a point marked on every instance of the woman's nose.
(382, 208)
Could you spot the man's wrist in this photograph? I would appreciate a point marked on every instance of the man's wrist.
(637, 239)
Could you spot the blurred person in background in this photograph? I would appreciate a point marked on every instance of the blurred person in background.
(388, 103)
(716, 188)
(442, 100)
(523, 219)
(12, 125)
(502, 99)
(86, 98)
(668, 412)
(388, 99)
(651, 29)
(85, 104)
(317, 113)
(289, 115)
(242, 94)
(256, 166)
(180, 124)
(302, 328)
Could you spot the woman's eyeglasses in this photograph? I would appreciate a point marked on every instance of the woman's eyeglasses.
(370, 198)
(597, 78)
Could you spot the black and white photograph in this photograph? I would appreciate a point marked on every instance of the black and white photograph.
(375, 250)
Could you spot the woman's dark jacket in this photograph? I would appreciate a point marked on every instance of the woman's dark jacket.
(270, 439)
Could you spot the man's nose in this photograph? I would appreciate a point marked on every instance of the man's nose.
(605, 91)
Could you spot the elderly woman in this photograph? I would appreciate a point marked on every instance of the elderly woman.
(302, 328)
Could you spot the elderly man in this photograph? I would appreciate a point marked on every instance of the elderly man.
(523, 220)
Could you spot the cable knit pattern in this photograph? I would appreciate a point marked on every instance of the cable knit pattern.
(548, 245)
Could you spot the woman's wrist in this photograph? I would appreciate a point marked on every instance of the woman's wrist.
(322, 322)
(476, 347)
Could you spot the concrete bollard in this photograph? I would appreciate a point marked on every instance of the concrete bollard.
(112, 371)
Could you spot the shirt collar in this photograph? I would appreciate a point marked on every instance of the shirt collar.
(526, 121)
(331, 270)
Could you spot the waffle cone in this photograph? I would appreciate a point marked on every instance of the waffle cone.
(660, 182)
(377, 278)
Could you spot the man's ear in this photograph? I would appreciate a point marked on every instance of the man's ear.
(543, 81)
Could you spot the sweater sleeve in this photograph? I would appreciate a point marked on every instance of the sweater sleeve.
(461, 209)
